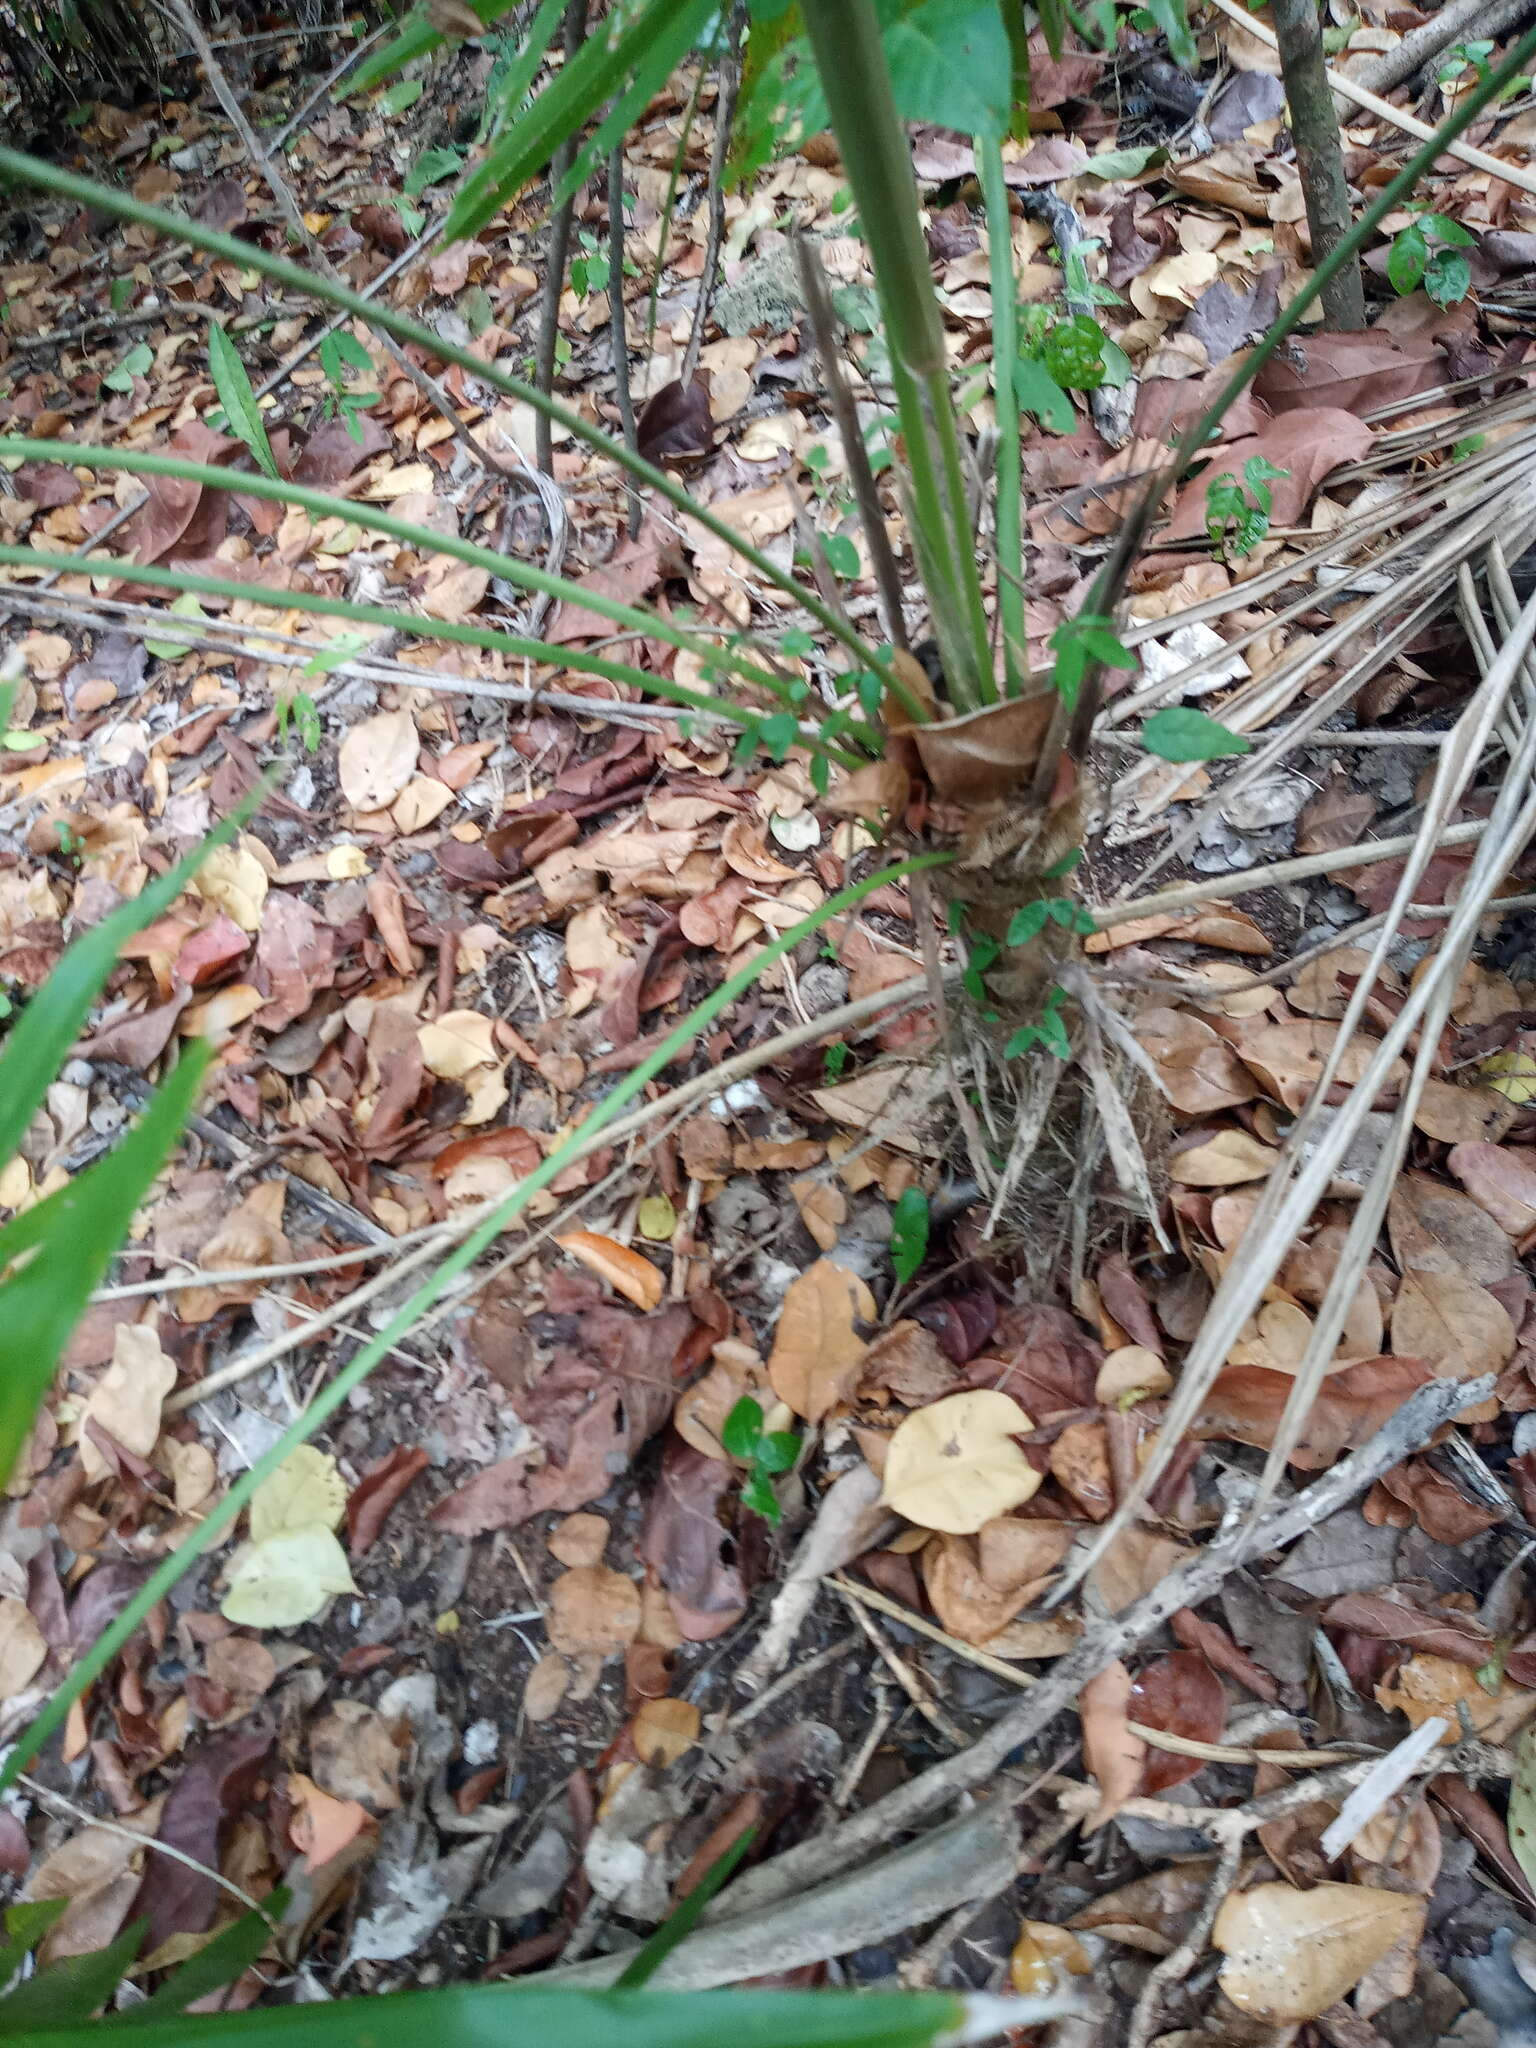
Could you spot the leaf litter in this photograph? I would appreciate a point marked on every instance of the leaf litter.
(422, 958)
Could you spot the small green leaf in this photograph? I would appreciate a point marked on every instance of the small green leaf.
(777, 1451)
(759, 1496)
(405, 92)
(743, 1428)
(776, 735)
(1406, 259)
(909, 1233)
(1174, 23)
(1448, 277)
(431, 168)
(1180, 733)
(797, 644)
(120, 294)
(835, 1058)
(1449, 231)
(137, 363)
(238, 399)
(1028, 922)
(184, 607)
(1021, 1041)
(1064, 866)
(842, 555)
(1039, 393)
(1114, 164)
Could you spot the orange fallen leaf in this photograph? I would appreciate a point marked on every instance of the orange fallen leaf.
(624, 1270)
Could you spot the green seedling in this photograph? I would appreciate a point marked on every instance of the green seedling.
(1429, 251)
(1237, 514)
(766, 1452)
(301, 712)
(1050, 1031)
(137, 363)
(1461, 58)
(341, 353)
(910, 1222)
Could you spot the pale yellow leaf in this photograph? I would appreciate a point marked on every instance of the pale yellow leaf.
(1291, 1954)
(954, 1464)
(285, 1580)
(306, 1491)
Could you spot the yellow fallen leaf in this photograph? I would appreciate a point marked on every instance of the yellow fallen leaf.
(954, 1464)
(1512, 1074)
(285, 1580)
(657, 1219)
(458, 1042)
(1291, 1954)
(234, 881)
(624, 1270)
(306, 1491)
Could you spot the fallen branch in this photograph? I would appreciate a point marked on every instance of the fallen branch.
(1193, 1583)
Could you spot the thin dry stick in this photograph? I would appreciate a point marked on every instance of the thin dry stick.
(1222, 888)
(725, 115)
(277, 185)
(1189, 1585)
(618, 324)
(317, 99)
(1175, 1967)
(882, 560)
(1384, 110)
(556, 255)
(914, 1688)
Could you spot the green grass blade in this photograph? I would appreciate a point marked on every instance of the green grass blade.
(25, 1926)
(512, 2016)
(680, 1923)
(153, 462)
(455, 632)
(40, 1039)
(511, 89)
(238, 399)
(225, 1511)
(212, 1969)
(1005, 397)
(416, 39)
(66, 1993)
(247, 256)
(72, 1237)
(606, 64)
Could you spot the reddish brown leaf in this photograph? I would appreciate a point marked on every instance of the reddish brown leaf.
(1500, 1179)
(1181, 1695)
(213, 1786)
(1387, 1619)
(687, 1546)
(374, 1497)
(675, 423)
(1247, 1401)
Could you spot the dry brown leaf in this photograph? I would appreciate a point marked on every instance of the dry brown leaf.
(1289, 1057)
(1499, 1179)
(955, 1465)
(982, 756)
(1114, 1755)
(22, 1648)
(1437, 1229)
(1130, 1374)
(548, 1683)
(1224, 1161)
(1014, 1553)
(1460, 1116)
(1291, 1954)
(664, 1730)
(1452, 1323)
(126, 1399)
(823, 1209)
(579, 1540)
(624, 1270)
(967, 1604)
(1443, 1688)
(1319, 989)
(377, 759)
(817, 1353)
(1336, 817)
(1198, 1069)
(593, 1610)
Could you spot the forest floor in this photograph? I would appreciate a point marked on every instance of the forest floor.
(574, 1662)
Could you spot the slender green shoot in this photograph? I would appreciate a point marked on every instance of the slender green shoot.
(1008, 512)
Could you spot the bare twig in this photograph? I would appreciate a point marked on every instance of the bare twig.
(556, 255)
(1189, 1585)
(725, 115)
(818, 306)
(618, 324)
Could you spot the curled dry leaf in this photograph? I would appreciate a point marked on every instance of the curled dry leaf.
(954, 1465)
(377, 759)
(1198, 1070)
(1040, 1954)
(625, 1270)
(22, 1648)
(1291, 1954)
(817, 1354)
(1114, 1756)
(1130, 1374)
